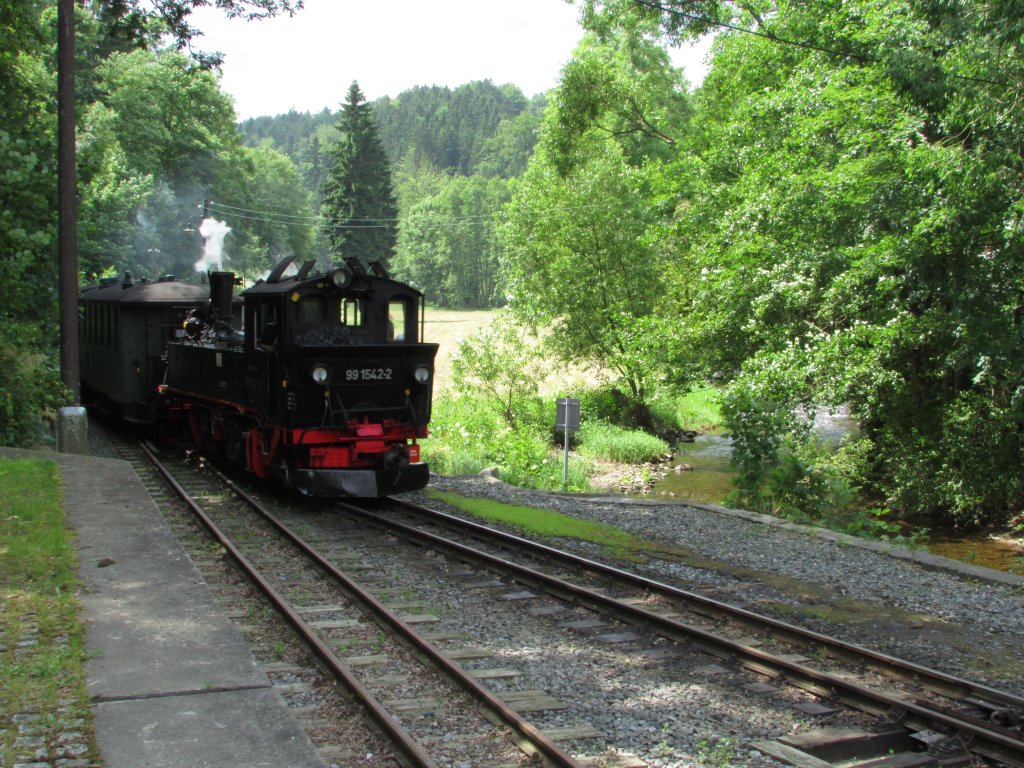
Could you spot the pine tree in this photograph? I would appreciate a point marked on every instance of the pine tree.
(358, 206)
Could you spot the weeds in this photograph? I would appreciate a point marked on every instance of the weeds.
(600, 440)
(697, 409)
(715, 753)
(546, 523)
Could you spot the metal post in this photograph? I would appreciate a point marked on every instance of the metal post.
(567, 417)
(67, 210)
(565, 461)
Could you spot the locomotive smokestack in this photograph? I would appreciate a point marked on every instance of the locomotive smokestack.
(221, 287)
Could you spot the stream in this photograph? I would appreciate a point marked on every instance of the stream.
(711, 481)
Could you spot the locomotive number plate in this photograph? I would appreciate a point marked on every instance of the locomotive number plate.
(368, 374)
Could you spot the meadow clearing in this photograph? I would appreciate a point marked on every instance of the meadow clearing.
(448, 327)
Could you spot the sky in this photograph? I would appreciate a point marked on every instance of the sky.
(307, 62)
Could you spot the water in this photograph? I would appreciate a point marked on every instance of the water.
(980, 549)
(711, 479)
(710, 482)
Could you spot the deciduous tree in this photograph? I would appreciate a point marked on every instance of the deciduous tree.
(850, 233)
(449, 244)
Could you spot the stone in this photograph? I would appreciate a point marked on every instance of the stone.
(73, 430)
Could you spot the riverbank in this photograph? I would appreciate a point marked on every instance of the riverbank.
(707, 479)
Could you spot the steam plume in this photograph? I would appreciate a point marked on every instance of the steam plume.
(213, 233)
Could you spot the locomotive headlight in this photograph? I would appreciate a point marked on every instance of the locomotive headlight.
(320, 375)
(421, 374)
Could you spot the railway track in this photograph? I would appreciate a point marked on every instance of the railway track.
(935, 711)
(930, 719)
(343, 619)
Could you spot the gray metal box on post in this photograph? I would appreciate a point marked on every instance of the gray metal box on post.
(567, 419)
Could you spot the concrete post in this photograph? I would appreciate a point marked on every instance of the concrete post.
(72, 431)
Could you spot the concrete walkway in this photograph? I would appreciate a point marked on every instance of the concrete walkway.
(171, 681)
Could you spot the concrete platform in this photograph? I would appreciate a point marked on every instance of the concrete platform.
(171, 681)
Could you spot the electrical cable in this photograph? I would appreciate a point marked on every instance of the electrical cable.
(272, 217)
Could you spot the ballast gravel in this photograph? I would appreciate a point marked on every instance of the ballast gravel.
(942, 614)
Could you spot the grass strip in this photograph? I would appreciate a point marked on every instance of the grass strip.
(42, 642)
(546, 523)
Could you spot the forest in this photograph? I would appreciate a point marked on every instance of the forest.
(833, 219)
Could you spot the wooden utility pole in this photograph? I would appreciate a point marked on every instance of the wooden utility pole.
(67, 207)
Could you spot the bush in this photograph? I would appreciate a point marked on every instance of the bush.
(781, 466)
(500, 366)
(966, 470)
(459, 430)
(30, 385)
(466, 437)
(604, 403)
(696, 409)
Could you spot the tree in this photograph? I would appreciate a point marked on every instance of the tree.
(29, 379)
(136, 24)
(27, 165)
(850, 235)
(507, 152)
(619, 87)
(583, 216)
(446, 128)
(173, 118)
(579, 264)
(358, 206)
(148, 126)
(449, 245)
(160, 138)
(268, 183)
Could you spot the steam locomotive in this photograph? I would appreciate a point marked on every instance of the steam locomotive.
(319, 380)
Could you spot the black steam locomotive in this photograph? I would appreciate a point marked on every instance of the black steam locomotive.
(320, 380)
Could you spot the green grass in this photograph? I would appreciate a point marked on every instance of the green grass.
(548, 524)
(38, 607)
(599, 440)
(699, 409)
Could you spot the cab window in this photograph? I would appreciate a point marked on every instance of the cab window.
(268, 327)
(352, 312)
(312, 308)
(397, 330)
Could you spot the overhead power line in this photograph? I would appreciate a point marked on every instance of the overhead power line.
(288, 219)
